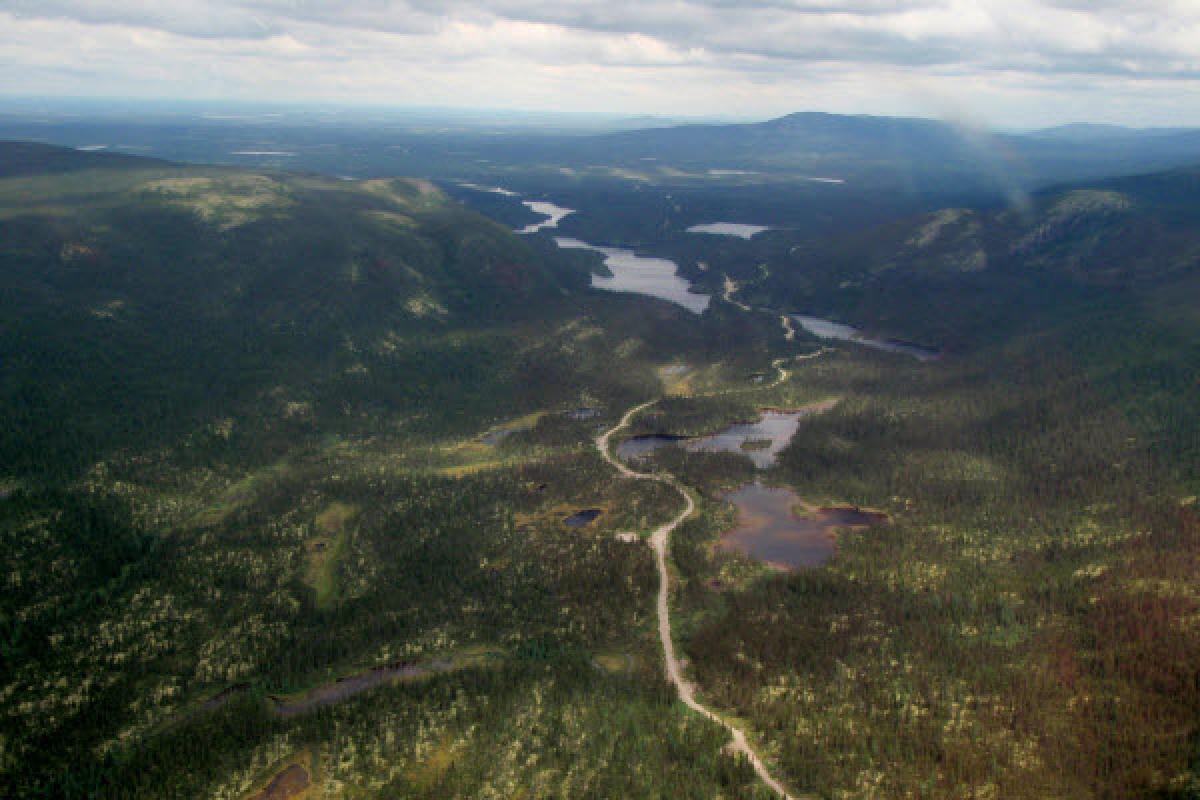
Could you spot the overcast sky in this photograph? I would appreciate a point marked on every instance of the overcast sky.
(1007, 63)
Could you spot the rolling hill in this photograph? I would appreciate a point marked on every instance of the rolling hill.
(139, 294)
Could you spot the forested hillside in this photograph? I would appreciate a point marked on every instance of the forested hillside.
(141, 300)
(300, 492)
(266, 431)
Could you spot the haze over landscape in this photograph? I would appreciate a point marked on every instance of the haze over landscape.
(672, 399)
(1030, 63)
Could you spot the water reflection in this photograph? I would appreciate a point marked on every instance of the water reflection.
(775, 527)
(729, 229)
(656, 277)
(827, 329)
(554, 214)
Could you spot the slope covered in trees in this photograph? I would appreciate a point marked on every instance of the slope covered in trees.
(264, 431)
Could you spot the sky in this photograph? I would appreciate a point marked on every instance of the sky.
(997, 63)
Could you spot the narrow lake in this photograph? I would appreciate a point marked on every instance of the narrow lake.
(656, 277)
(775, 527)
(729, 229)
(827, 329)
(554, 214)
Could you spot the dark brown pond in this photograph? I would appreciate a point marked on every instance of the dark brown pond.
(286, 785)
(774, 527)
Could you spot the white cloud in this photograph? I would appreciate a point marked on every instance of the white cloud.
(1007, 61)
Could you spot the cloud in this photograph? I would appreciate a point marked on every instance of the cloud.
(743, 56)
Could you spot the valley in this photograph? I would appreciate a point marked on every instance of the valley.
(345, 478)
(670, 400)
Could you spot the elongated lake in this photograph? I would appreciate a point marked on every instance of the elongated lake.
(827, 329)
(656, 277)
(729, 229)
(554, 214)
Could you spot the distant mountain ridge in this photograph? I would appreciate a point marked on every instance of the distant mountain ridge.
(1092, 132)
(911, 153)
(34, 158)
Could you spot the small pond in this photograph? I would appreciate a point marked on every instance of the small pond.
(774, 526)
(581, 519)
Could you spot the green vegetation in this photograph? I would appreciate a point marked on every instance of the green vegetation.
(245, 455)
(990, 640)
(242, 459)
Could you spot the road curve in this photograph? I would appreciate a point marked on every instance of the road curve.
(660, 540)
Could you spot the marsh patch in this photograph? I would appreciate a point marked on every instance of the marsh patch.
(344, 688)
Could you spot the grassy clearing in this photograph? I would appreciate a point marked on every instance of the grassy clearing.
(324, 553)
(616, 663)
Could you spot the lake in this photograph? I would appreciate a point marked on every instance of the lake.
(827, 329)
(656, 277)
(554, 214)
(729, 229)
(760, 441)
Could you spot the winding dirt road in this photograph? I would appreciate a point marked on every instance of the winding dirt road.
(660, 540)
